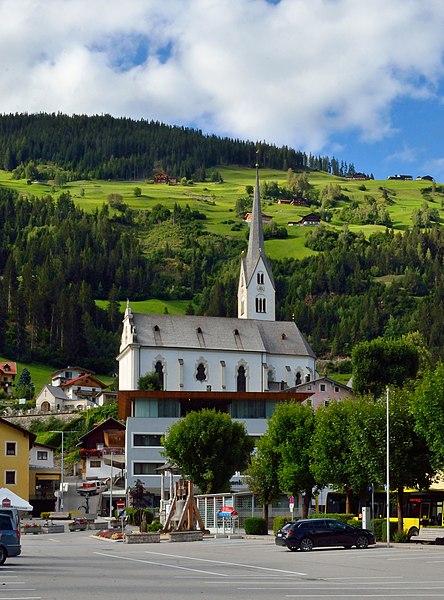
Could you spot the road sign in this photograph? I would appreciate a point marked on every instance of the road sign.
(120, 504)
(227, 511)
(6, 502)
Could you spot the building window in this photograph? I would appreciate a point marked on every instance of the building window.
(298, 379)
(326, 402)
(336, 389)
(248, 409)
(201, 372)
(241, 379)
(260, 278)
(146, 439)
(42, 455)
(146, 468)
(308, 388)
(159, 370)
(95, 464)
(260, 304)
(10, 477)
(11, 449)
(322, 387)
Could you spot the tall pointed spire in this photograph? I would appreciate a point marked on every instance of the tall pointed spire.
(256, 291)
(256, 245)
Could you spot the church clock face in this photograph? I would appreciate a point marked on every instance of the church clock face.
(261, 288)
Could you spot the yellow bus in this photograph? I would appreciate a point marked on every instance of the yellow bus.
(420, 508)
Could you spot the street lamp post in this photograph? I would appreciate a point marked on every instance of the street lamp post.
(388, 466)
(62, 467)
(111, 488)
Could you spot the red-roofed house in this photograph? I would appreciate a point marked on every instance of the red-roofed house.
(8, 371)
(63, 375)
(82, 391)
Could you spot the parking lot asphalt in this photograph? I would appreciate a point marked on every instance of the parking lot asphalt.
(79, 565)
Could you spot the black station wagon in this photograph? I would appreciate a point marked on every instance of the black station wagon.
(306, 534)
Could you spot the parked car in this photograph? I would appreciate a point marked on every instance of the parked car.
(306, 534)
(281, 533)
(9, 538)
(12, 512)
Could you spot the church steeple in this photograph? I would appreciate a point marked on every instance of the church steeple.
(256, 291)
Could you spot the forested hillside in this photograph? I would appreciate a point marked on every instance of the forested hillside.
(103, 147)
(58, 258)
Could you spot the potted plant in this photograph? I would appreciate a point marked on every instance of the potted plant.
(79, 524)
(32, 528)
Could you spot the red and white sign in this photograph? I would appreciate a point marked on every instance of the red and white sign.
(6, 502)
(120, 504)
(228, 511)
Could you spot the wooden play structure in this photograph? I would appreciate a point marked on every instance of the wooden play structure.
(183, 514)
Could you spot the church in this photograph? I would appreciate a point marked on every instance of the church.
(241, 365)
(253, 353)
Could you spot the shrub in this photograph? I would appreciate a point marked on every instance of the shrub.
(355, 522)
(401, 537)
(155, 526)
(279, 522)
(379, 528)
(131, 515)
(255, 526)
(343, 517)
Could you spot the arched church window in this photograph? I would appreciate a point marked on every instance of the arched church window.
(241, 379)
(200, 372)
(159, 370)
(260, 278)
(307, 377)
(298, 379)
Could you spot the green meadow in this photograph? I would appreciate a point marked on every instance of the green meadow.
(173, 307)
(41, 374)
(217, 201)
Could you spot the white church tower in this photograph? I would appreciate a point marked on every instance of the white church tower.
(256, 291)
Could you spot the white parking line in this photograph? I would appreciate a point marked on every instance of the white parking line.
(148, 562)
(230, 564)
(367, 596)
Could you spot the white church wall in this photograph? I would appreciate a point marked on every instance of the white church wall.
(180, 368)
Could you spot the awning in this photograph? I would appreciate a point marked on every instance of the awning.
(14, 500)
(54, 477)
(117, 460)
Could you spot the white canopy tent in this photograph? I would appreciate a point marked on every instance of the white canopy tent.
(15, 501)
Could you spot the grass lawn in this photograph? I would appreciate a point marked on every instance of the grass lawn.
(174, 307)
(41, 374)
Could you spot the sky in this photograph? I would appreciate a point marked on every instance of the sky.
(361, 80)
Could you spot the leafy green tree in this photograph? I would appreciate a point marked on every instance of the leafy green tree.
(410, 457)
(263, 474)
(137, 192)
(428, 410)
(382, 362)
(290, 432)
(333, 461)
(208, 447)
(149, 381)
(24, 388)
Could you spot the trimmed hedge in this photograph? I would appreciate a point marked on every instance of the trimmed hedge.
(379, 528)
(255, 526)
(279, 522)
(343, 517)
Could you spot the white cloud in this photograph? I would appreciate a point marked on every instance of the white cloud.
(293, 73)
